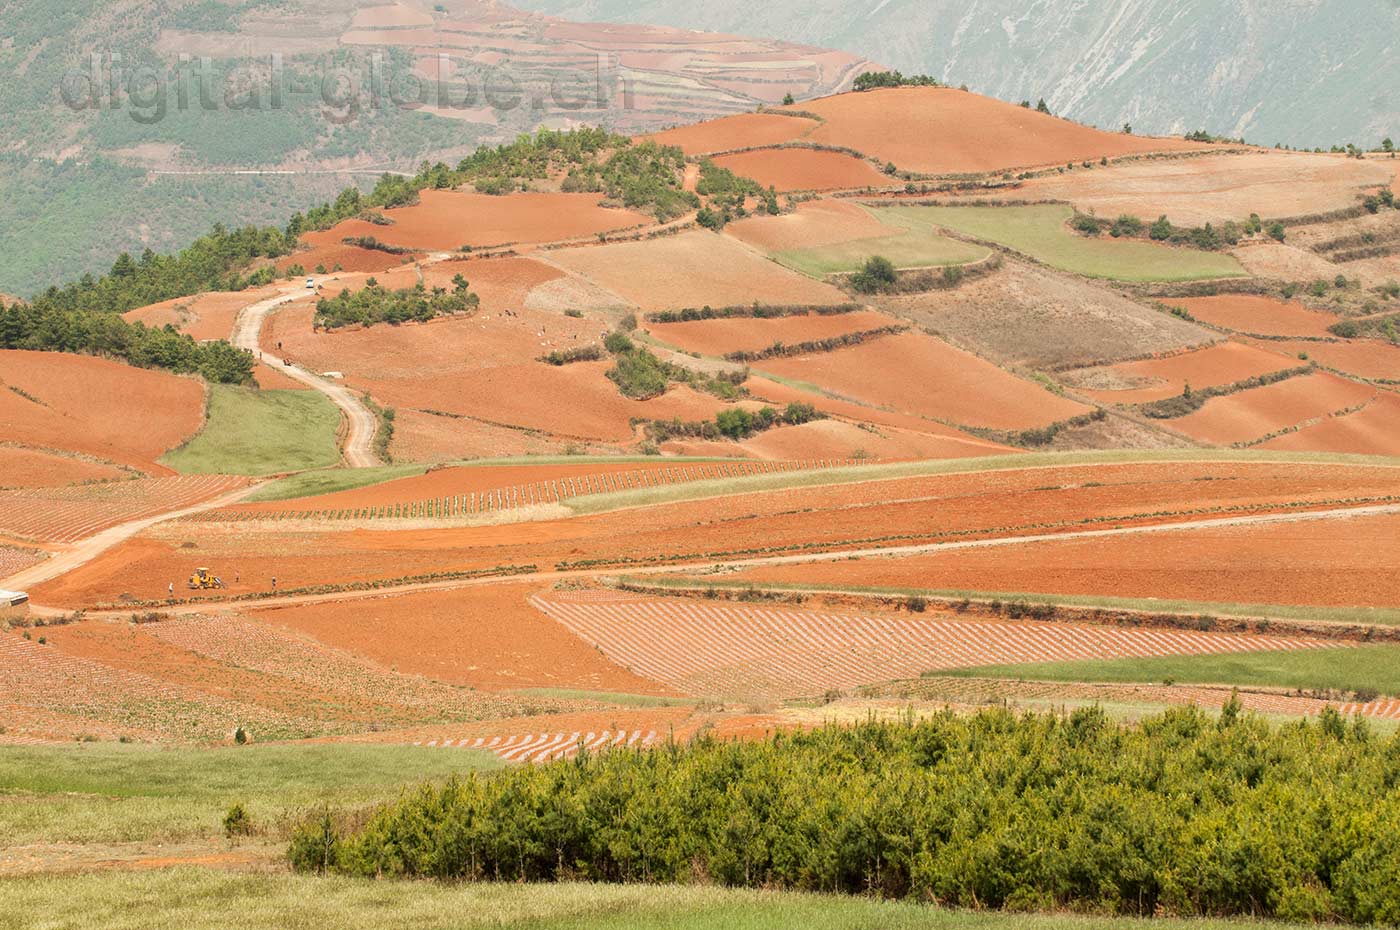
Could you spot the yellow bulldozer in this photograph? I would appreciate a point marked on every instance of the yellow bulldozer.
(204, 580)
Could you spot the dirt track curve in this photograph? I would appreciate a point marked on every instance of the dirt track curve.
(361, 424)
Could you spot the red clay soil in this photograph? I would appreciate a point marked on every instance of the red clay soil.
(870, 514)
(1246, 313)
(1249, 416)
(425, 437)
(327, 249)
(746, 130)
(919, 375)
(741, 334)
(693, 269)
(1324, 563)
(97, 407)
(1374, 430)
(488, 638)
(813, 224)
(484, 367)
(1364, 358)
(1214, 366)
(804, 169)
(34, 468)
(390, 16)
(834, 439)
(203, 316)
(446, 221)
(937, 130)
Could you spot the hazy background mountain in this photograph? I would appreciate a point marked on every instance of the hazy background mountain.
(1301, 72)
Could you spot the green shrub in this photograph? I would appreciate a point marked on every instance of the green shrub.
(877, 275)
(237, 822)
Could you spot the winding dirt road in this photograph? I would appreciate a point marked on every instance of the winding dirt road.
(361, 424)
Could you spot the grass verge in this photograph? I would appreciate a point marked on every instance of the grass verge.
(1040, 232)
(114, 793)
(251, 432)
(1366, 668)
(621, 699)
(202, 899)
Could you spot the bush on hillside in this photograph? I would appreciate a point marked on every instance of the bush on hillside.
(877, 275)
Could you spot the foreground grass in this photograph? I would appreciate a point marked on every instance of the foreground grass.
(113, 793)
(190, 899)
(1375, 668)
(1040, 232)
(251, 432)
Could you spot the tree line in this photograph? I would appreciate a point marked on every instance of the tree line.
(376, 304)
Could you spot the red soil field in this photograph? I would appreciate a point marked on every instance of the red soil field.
(813, 224)
(393, 15)
(953, 507)
(1247, 313)
(35, 468)
(1160, 378)
(742, 334)
(724, 650)
(15, 559)
(327, 248)
(693, 269)
(1323, 563)
(937, 130)
(1364, 358)
(746, 130)
(799, 169)
(97, 407)
(425, 437)
(204, 316)
(836, 439)
(550, 747)
(1374, 430)
(489, 638)
(923, 376)
(446, 221)
(1251, 415)
(74, 513)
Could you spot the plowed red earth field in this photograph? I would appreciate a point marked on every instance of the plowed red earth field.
(813, 224)
(747, 130)
(875, 514)
(97, 407)
(1374, 430)
(837, 439)
(204, 316)
(1251, 415)
(1364, 358)
(445, 221)
(1265, 316)
(722, 650)
(693, 269)
(60, 515)
(34, 468)
(1160, 378)
(1322, 563)
(937, 130)
(719, 337)
(798, 169)
(327, 248)
(919, 375)
(489, 638)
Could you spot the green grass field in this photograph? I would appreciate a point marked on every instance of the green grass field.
(251, 432)
(620, 698)
(1040, 232)
(114, 793)
(917, 246)
(194, 899)
(1375, 668)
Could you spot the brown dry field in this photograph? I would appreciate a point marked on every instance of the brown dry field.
(799, 169)
(484, 367)
(203, 316)
(1372, 431)
(923, 376)
(1026, 316)
(97, 407)
(1364, 358)
(1215, 188)
(813, 224)
(1285, 262)
(390, 16)
(938, 130)
(719, 337)
(34, 468)
(1248, 313)
(836, 439)
(488, 638)
(1320, 563)
(692, 269)
(426, 437)
(1160, 378)
(872, 514)
(446, 221)
(735, 132)
(1251, 415)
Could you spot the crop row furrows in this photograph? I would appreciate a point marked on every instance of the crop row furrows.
(711, 649)
(533, 494)
(545, 747)
(74, 513)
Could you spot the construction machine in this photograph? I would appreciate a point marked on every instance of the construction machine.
(204, 580)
